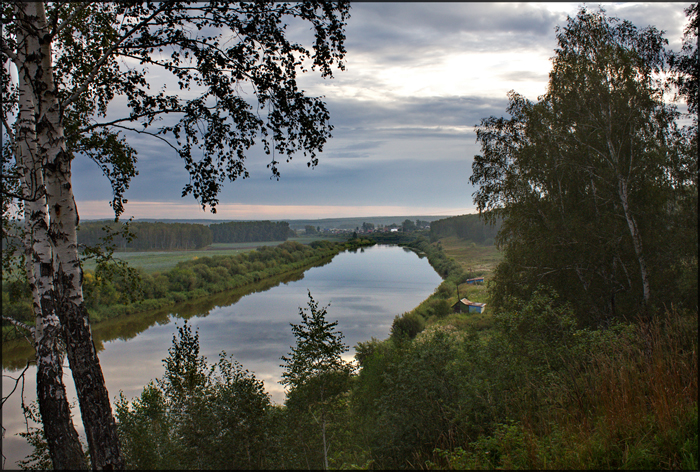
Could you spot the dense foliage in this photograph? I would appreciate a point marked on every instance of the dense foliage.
(594, 181)
(142, 236)
(316, 377)
(196, 416)
(146, 236)
(468, 227)
(533, 392)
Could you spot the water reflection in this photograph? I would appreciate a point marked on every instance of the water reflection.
(16, 353)
(365, 289)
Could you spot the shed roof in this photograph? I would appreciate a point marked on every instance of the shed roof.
(467, 302)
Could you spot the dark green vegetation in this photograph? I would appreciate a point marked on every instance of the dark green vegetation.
(356, 223)
(596, 182)
(141, 236)
(317, 380)
(197, 416)
(465, 227)
(529, 390)
(250, 231)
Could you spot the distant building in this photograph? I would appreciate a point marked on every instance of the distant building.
(466, 306)
(476, 280)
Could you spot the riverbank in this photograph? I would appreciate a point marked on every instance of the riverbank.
(113, 294)
(526, 389)
(456, 260)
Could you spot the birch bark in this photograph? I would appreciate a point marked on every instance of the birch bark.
(64, 444)
(636, 239)
(95, 408)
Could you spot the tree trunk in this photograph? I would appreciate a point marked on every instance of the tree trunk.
(62, 438)
(636, 239)
(66, 272)
(323, 429)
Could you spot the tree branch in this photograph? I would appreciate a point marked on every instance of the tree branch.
(21, 325)
(121, 120)
(8, 52)
(58, 28)
(21, 377)
(105, 57)
(148, 133)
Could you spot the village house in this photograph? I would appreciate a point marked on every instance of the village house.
(466, 306)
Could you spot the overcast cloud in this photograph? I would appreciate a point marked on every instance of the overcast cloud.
(419, 76)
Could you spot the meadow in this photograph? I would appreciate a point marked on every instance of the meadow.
(158, 261)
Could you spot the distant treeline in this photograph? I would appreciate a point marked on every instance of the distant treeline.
(469, 227)
(250, 231)
(148, 235)
(178, 236)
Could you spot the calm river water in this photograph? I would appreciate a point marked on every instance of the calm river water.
(365, 289)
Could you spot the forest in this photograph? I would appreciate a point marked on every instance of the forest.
(142, 236)
(469, 227)
(250, 231)
(146, 236)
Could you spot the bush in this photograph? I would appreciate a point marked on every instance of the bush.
(407, 326)
(197, 416)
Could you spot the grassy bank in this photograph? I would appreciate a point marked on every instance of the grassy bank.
(456, 260)
(188, 275)
(528, 389)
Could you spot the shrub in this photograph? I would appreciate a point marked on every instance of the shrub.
(407, 326)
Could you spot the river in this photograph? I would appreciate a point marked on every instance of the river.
(366, 289)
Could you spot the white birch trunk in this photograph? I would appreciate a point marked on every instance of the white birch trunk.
(95, 408)
(64, 445)
(636, 239)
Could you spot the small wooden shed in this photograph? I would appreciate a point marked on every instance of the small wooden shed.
(467, 306)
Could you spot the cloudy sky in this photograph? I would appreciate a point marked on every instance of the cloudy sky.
(419, 76)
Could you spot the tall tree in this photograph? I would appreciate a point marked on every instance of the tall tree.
(64, 63)
(686, 64)
(584, 177)
(197, 415)
(315, 371)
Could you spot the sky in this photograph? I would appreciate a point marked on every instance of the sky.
(418, 78)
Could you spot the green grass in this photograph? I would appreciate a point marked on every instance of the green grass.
(475, 258)
(158, 261)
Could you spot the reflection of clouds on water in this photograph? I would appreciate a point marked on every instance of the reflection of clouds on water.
(365, 291)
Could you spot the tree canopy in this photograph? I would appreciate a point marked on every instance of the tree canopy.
(591, 180)
(315, 373)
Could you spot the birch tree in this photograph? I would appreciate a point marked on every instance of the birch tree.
(63, 65)
(584, 177)
(315, 374)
